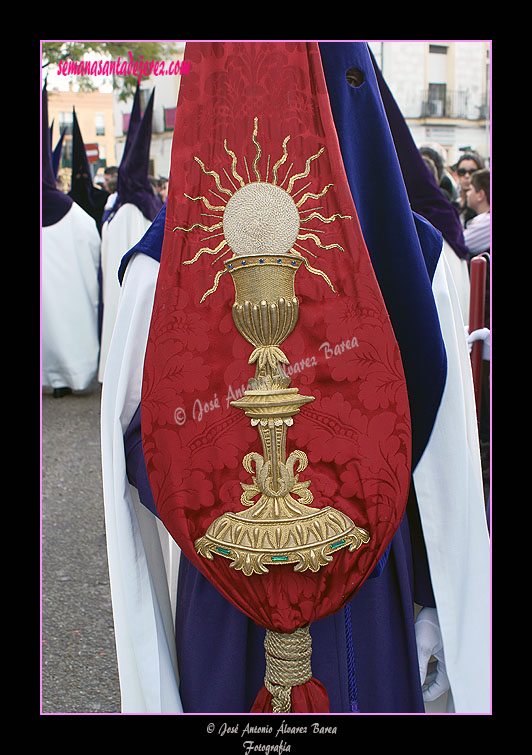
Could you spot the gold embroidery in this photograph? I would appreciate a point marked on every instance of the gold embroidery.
(318, 242)
(281, 160)
(314, 271)
(206, 250)
(261, 226)
(286, 174)
(310, 195)
(305, 172)
(233, 164)
(199, 225)
(314, 214)
(206, 202)
(215, 286)
(257, 145)
(229, 179)
(214, 174)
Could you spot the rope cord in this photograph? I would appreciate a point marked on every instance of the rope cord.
(351, 667)
(287, 665)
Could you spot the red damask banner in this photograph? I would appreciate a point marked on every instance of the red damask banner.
(254, 131)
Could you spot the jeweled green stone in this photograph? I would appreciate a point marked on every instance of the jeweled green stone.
(224, 551)
(338, 544)
(279, 558)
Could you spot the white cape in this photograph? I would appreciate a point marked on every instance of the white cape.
(70, 258)
(448, 483)
(119, 235)
(460, 272)
(143, 560)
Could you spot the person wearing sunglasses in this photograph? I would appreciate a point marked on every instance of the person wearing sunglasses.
(465, 168)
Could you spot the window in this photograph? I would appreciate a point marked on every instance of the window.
(65, 121)
(99, 121)
(437, 94)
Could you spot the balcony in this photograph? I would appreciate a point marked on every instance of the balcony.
(456, 105)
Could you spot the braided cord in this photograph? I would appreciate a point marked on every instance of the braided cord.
(287, 665)
(351, 667)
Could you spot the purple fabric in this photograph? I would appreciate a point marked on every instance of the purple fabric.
(136, 471)
(150, 244)
(133, 186)
(403, 247)
(82, 190)
(55, 204)
(225, 672)
(56, 155)
(135, 119)
(425, 195)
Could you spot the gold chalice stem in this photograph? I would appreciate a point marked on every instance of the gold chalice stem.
(273, 458)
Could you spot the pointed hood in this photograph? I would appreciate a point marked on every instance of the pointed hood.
(133, 184)
(56, 154)
(82, 190)
(55, 204)
(135, 119)
(426, 197)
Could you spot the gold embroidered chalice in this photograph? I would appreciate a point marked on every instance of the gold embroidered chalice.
(261, 223)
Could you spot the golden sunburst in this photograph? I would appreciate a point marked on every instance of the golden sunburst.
(259, 216)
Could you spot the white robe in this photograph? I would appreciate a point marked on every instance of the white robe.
(70, 258)
(460, 272)
(448, 483)
(119, 235)
(143, 559)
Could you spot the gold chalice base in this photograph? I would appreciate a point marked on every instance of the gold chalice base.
(307, 540)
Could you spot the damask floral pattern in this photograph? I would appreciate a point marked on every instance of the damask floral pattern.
(356, 432)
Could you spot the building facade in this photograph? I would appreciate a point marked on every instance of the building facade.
(164, 105)
(94, 112)
(443, 91)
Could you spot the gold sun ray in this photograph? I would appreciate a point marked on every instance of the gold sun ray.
(304, 236)
(309, 209)
(315, 214)
(247, 169)
(307, 251)
(310, 195)
(206, 202)
(286, 174)
(215, 286)
(215, 175)
(305, 172)
(229, 179)
(257, 145)
(205, 250)
(199, 225)
(313, 270)
(299, 190)
(233, 163)
(280, 161)
(214, 235)
(300, 233)
(221, 255)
